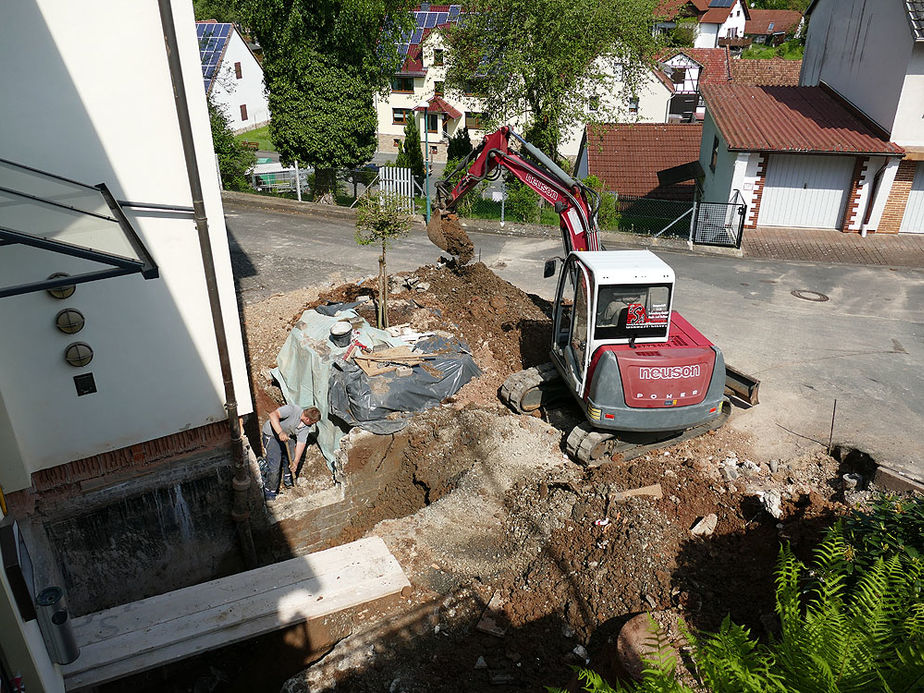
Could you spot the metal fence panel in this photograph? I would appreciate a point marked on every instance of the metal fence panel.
(718, 223)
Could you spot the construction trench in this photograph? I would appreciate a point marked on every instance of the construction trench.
(522, 563)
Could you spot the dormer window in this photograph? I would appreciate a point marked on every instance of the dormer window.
(770, 26)
(438, 57)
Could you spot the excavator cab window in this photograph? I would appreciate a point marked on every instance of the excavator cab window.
(632, 310)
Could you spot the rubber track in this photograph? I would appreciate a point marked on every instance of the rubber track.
(584, 439)
(520, 383)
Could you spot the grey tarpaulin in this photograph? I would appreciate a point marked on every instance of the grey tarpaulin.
(305, 373)
(384, 403)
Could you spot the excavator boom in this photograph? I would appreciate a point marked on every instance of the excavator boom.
(575, 203)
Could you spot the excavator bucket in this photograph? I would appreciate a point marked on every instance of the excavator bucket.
(445, 232)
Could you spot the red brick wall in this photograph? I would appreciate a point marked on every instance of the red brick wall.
(751, 222)
(853, 198)
(898, 197)
(72, 478)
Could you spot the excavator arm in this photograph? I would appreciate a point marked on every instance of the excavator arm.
(575, 203)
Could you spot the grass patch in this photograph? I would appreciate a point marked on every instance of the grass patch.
(260, 135)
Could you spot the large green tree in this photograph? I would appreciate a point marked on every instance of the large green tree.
(234, 159)
(323, 62)
(548, 58)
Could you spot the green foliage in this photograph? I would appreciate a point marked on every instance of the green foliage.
(607, 214)
(797, 5)
(853, 622)
(411, 155)
(323, 62)
(460, 145)
(234, 160)
(545, 56)
(684, 33)
(219, 10)
(522, 202)
(788, 50)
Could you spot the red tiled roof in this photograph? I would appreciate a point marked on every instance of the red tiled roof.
(670, 9)
(774, 72)
(790, 119)
(783, 21)
(413, 63)
(715, 15)
(628, 156)
(440, 105)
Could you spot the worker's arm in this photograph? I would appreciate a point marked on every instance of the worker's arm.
(277, 426)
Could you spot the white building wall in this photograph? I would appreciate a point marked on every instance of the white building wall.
(861, 49)
(72, 105)
(743, 181)
(707, 36)
(734, 25)
(230, 92)
(909, 120)
(717, 184)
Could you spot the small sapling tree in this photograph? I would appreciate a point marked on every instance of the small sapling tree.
(381, 218)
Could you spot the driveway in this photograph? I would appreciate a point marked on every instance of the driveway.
(860, 342)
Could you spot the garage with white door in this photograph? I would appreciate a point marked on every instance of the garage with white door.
(806, 190)
(913, 221)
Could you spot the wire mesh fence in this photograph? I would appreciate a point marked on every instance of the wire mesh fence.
(648, 216)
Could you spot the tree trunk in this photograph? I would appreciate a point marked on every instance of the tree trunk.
(383, 292)
(325, 185)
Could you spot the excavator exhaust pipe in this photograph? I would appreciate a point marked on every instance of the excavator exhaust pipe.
(445, 232)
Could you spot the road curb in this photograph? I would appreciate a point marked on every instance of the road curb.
(280, 204)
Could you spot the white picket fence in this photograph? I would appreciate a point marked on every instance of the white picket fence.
(400, 182)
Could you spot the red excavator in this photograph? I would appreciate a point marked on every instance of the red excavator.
(643, 376)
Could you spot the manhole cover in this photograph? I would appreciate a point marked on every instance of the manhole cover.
(809, 295)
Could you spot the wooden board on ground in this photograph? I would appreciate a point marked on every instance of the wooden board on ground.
(134, 637)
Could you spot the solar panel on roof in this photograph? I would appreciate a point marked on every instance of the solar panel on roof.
(441, 17)
(721, 3)
(454, 11)
(403, 48)
(418, 35)
(431, 20)
(421, 18)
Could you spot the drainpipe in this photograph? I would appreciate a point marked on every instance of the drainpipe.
(240, 511)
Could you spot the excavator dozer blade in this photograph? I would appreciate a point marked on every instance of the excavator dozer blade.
(445, 232)
(741, 386)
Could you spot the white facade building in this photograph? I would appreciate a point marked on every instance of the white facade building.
(72, 107)
(233, 77)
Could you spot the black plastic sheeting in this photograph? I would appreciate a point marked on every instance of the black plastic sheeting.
(384, 403)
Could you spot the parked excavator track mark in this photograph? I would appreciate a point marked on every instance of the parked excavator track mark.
(527, 390)
(593, 447)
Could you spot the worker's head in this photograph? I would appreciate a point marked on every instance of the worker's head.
(311, 415)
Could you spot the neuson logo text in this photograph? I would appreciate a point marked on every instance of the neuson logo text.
(539, 185)
(668, 373)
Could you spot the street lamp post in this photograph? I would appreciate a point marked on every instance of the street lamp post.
(425, 105)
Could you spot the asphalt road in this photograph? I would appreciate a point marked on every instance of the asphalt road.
(863, 347)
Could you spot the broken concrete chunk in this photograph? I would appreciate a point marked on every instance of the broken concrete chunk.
(581, 652)
(492, 614)
(704, 526)
(771, 501)
(480, 663)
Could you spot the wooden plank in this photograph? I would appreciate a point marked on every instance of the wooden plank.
(162, 632)
(214, 593)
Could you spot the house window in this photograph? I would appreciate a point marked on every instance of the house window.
(399, 115)
(633, 105)
(432, 122)
(243, 111)
(715, 154)
(438, 88)
(473, 120)
(397, 143)
(237, 70)
(678, 75)
(402, 84)
(433, 150)
(594, 103)
(438, 57)
(770, 26)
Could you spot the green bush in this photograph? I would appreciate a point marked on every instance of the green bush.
(522, 203)
(607, 215)
(234, 159)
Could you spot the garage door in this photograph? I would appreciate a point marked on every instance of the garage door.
(806, 191)
(913, 221)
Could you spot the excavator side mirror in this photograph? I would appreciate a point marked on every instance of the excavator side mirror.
(548, 270)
